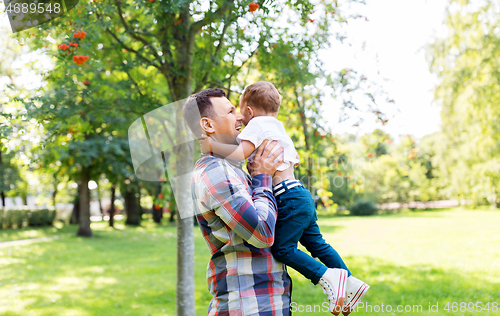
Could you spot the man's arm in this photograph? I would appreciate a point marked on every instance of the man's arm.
(253, 218)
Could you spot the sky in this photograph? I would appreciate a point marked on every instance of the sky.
(388, 49)
(393, 39)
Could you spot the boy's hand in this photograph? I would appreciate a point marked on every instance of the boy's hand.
(205, 144)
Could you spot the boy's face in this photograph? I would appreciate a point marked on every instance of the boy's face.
(247, 115)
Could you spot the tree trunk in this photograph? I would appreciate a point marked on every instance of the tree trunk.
(112, 206)
(172, 215)
(157, 214)
(131, 206)
(24, 196)
(75, 215)
(100, 204)
(185, 261)
(54, 194)
(185, 301)
(2, 194)
(84, 218)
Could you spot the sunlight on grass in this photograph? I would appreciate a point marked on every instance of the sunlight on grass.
(413, 258)
(416, 258)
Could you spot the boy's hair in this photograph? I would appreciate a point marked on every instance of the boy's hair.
(262, 95)
(199, 106)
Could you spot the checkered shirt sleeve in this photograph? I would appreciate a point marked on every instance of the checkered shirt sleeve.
(237, 217)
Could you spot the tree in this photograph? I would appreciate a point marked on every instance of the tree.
(466, 63)
(156, 52)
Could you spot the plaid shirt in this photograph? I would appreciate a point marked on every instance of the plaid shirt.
(237, 216)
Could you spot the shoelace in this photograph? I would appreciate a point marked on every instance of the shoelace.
(327, 289)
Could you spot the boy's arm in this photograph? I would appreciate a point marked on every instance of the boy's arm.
(252, 217)
(235, 152)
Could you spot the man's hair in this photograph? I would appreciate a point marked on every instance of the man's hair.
(198, 106)
(262, 95)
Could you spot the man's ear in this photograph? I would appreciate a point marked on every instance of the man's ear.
(207, 125)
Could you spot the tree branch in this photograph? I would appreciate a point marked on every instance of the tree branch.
(135, 83)
(217, 51)
(209, 18)
(150, 62)
(219, 85)
(242, 64)
(133, 34)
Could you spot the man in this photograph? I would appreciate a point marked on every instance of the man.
(237, 216)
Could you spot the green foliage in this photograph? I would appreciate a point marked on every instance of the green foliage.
(407, 171)
(13, 218)
(363, 208)
(469, 91)
(9, 169)
(41, 217)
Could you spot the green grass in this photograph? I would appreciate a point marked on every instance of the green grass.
(408, 259)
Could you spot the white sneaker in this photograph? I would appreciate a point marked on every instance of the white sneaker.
(333, 283)
(355, 291)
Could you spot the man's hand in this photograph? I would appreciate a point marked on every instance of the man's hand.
(263, 162)
(205, 144)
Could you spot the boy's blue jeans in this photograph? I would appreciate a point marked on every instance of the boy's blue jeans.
(297, 222)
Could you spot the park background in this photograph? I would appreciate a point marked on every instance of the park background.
(393, 107)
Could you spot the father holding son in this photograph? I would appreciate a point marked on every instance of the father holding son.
(237, 216)
(241, 219)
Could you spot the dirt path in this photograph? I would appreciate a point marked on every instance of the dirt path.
(25, 241)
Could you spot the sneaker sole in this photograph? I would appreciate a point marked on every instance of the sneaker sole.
(339, 303)
(349, 308)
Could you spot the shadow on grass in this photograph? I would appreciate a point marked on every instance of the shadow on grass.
(116, 272)
(395, 285)
(28, 232)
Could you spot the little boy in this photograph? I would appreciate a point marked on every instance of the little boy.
(296, 212)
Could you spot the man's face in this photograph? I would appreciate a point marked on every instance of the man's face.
(227, 123)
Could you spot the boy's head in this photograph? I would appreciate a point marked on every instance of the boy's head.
(259, 99)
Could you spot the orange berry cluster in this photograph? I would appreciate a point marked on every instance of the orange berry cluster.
(253, 6)
(80, 60)
(80, 34)
(63, 46)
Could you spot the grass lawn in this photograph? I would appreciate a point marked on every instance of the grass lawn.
(435, 257)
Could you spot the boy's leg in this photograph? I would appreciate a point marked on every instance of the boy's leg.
(293, 218)
(313, 240)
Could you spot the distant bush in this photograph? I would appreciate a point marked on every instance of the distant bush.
(363, 208)
(11, 218)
